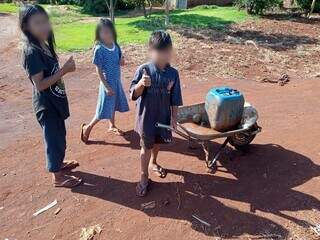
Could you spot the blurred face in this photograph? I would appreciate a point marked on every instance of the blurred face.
(39, 26)
(106, 35)
(161, 57)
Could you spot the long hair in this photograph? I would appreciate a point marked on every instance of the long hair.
(26, 12)
(105, 22)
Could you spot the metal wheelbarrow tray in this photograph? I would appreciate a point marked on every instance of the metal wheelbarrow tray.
(202, 134)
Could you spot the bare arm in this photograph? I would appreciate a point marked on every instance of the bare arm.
(109, 90)
(138, 90)
(174, 116)
(144, 82)
(122, 61)
(42, 83)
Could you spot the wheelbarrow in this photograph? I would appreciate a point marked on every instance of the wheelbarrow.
(239, 138)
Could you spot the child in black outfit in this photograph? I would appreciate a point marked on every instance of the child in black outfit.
(49, 98)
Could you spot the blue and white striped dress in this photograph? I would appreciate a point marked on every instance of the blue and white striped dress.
(108, 60)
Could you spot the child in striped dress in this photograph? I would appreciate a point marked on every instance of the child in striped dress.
(107, 58)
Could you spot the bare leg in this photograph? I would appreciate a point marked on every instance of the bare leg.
(145, 155)
(87, 128)
(111, 122)
(154, 155)
(113, 128)
(153, 165)
(142, 186)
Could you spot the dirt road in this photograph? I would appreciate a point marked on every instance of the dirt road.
(271, 192)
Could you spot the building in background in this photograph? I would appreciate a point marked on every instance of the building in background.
(183, 4)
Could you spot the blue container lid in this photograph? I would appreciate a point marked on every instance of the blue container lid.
(224, 92)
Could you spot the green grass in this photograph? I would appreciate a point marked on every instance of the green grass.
(75, 31)
(79, 36)
(8, 8)
(202, 17)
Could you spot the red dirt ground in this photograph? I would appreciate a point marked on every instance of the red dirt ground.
(271, 192)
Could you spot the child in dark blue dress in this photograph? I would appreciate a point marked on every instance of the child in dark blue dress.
(107, 58)
(156, 88)
(49, 98)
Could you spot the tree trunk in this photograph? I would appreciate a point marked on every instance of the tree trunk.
(167, 10)
(143, 5)
(111, 11)
(111, 6)
(150, 7)
(312, 7)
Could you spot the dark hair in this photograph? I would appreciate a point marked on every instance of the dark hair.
(105, 22)
(26, 12)
(160, 40)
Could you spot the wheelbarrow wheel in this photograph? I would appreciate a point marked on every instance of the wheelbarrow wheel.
(241, 141)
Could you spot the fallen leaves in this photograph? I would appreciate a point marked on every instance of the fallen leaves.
(148, 205)
(283, 80)
(89, 232)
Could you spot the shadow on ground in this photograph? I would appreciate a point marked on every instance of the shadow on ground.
(194, 21)
(293, 18)
(263, 180)
(274, 41)
(4, 14)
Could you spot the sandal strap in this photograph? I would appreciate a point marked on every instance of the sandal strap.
(143, 187)
(70, 179)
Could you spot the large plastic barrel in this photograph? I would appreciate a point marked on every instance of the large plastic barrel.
(224, 107)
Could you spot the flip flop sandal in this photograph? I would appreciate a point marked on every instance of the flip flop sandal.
(142, 189)
(68, 165)
(116, 131)
(83, 137)
(71, 182)
(159, 171)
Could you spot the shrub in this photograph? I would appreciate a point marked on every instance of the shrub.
(92, 6)
(125, 4)
(61, 2)
(257, 6)
(305, 5)
(95, 6)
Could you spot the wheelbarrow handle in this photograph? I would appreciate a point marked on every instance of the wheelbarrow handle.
(170, 128)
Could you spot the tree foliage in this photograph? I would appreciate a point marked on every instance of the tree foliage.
(257, 6)
(305, 5)
(93, 6)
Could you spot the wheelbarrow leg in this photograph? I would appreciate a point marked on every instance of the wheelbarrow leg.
(205, 147)
(212, 163)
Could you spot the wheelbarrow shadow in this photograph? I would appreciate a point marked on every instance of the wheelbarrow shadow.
(266, 177)
(262, 180)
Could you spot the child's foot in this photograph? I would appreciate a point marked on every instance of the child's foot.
(67, 181)
(142, 188)
(158, 170)
(69, 165)
(116, 131)
(85, 132)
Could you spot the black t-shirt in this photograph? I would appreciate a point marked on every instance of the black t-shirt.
(52, 101)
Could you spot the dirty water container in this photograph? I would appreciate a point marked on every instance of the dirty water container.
(224, 107)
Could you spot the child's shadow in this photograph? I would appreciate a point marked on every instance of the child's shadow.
(133, 142)
(177, 200)
(263, 180)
